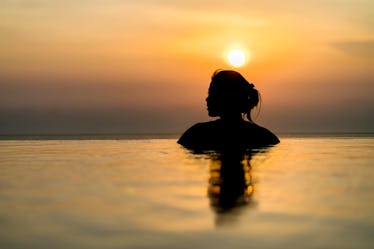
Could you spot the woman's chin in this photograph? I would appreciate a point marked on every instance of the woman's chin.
(212, 114)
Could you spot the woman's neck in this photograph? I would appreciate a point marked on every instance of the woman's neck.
(232, 118)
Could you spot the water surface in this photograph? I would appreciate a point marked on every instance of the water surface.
(307, 192)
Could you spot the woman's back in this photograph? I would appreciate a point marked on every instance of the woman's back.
(217, 135)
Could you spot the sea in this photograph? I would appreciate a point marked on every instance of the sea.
(146, 191)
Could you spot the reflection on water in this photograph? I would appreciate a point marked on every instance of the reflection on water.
(230, 185)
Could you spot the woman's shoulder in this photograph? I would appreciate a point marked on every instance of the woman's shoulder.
(197, 133)
(261, 135)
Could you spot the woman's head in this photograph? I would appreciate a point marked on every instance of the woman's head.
(231, 94)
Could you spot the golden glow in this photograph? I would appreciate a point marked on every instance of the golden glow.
(164, 57)
(236, 57)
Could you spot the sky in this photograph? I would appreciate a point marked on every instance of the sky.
(144, 66)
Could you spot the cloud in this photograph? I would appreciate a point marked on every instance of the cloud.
(363, 49)
(91, 121)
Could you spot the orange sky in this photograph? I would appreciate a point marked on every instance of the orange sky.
(145, 66)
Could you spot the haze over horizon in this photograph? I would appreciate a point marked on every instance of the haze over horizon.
(144, 66)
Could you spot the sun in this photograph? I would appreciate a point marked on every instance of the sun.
(236, 57)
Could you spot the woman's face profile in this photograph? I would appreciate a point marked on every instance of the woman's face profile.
(221, 100)
(212, 102)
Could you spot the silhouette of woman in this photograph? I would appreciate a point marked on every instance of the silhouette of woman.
(231, 97)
